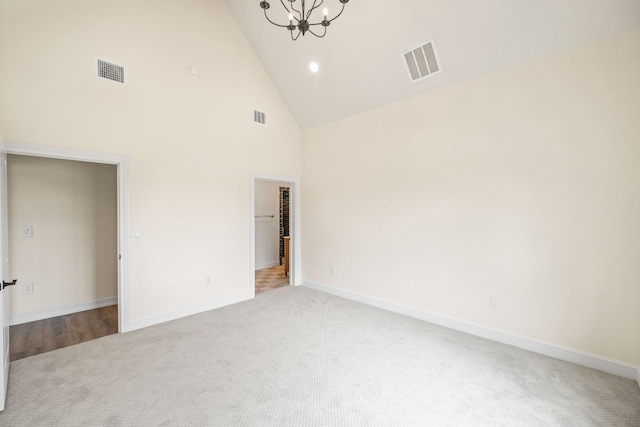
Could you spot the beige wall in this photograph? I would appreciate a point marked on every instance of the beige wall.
(522, 184)
(190, 140)
(72, 256)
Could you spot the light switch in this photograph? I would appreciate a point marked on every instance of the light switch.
(27, 231)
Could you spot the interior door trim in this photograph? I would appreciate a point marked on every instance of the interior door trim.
(122, 164)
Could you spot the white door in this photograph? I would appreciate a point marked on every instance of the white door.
(4, 272)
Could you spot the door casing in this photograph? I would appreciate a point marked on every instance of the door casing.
(122, 165)
(294, 228)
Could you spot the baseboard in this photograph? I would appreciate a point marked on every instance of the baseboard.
(267, 265)
(166, 317)
(61, 311)
(578, 357)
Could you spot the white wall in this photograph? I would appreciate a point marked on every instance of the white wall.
(522, 184)
(191, 141)
(71, 258)
(267, 203)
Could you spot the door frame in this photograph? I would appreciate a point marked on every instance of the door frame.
(295, 249)
(4, 294)
(122, 165)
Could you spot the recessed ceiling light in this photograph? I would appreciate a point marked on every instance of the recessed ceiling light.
(314, 67)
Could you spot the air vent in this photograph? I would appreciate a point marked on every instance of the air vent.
(259, 117)
(110, 71)
(422, 61)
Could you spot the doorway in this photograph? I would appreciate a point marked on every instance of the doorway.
(275, 236)
(272, 235)
(121, 252)
(63, 249)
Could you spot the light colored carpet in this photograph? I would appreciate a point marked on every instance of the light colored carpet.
(298, 357)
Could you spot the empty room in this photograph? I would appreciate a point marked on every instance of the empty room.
(462, 221)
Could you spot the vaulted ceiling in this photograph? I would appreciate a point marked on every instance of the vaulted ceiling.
(361, 62)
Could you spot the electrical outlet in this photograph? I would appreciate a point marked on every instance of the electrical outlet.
(27, 288)
(334, 270)
(27, 231)
(208, 281)
(493, 302)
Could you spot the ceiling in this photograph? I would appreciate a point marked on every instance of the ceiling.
(360, 59)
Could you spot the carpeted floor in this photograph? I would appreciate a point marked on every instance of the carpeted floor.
(298, 357)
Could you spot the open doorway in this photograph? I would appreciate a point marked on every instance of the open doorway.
(63, 240)
(109, 313)
(275, 260)
(272, 235)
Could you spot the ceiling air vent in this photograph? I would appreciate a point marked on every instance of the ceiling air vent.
(259, 117)
(422, 61)
(110, 71)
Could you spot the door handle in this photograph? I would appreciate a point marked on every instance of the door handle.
(5, 284)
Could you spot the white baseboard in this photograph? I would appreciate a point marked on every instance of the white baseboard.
(267, 265)
(578, 357)
(61, 311)
(166, 317)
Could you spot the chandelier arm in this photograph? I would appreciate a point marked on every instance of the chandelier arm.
(313, 7)
(293, 9)
(296, 37)
(277, 25)
(340, 13)
(319, 36)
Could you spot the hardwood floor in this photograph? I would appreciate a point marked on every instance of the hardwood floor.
(270, 278)
(29, 339)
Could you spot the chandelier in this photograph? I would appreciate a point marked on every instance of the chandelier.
(300, 17)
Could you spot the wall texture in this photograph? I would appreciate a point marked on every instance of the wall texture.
(522, 185)
(191, 140)
(72, 256)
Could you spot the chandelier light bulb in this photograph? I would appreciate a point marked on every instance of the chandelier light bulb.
(314, 67)
(325, 12)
